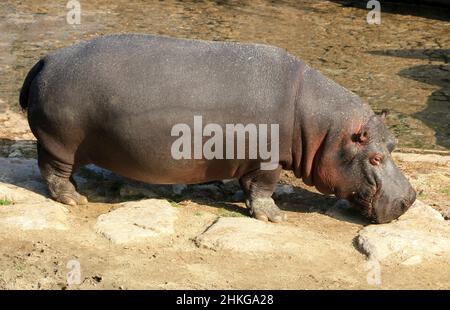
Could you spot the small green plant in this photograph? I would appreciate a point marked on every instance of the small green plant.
(173, 203)
(446, 191)
(5, 202)
(423, 195)
(20, 267)
(222, 212)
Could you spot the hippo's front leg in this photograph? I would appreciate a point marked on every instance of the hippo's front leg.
(259, 186)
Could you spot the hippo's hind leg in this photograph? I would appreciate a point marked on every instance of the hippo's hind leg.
(59, 180)
(258, 186)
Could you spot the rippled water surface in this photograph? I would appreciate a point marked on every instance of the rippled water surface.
(402, 64)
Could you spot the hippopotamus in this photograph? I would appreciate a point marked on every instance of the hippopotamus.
(114, 101)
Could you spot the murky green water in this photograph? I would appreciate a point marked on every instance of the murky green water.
(402, 64)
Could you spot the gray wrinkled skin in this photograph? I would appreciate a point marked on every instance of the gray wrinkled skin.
(112, 102)
(265, 209)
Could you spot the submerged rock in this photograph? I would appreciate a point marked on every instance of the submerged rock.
(178, 189)
(283, 189)
(131, 191)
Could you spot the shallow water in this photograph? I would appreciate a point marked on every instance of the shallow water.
(402, 64)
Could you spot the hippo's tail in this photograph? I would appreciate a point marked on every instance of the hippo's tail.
(24, 92)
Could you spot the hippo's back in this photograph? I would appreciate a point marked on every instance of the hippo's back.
(147, 70)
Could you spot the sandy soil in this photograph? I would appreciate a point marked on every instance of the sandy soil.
(402, 65)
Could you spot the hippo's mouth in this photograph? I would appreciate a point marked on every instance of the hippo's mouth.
(365, 202)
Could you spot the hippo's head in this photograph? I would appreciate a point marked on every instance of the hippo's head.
(366, 175)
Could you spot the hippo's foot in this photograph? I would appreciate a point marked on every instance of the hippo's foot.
(265, 209)
(71, 198)
(63, 191)
(58, 176)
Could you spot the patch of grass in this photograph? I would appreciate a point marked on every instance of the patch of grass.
(19, 267)
(227, 213)
(174, 203)
(419, 144)
(446, 191)
(423, 195)
(5, 202)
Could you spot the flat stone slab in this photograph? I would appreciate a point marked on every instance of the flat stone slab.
(420, 232)
(136, 221)
(252, 236)
(30, 209)
(35, 216)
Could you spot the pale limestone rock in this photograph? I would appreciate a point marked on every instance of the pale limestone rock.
(421, 231)
(252, 236)
(137, 221)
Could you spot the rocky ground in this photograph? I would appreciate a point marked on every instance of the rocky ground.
(134, 235)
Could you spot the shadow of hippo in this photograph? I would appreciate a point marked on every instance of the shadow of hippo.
(103, 186)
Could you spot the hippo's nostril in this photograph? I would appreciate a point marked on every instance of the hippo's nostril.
(404, 205)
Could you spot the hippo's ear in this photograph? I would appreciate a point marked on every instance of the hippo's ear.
(383, 114)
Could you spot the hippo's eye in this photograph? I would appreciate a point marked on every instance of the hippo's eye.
(375, 160)
(360, 137)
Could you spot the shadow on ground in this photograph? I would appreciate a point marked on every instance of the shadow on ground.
(432, 9)
(226, 196)
(436, 115)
